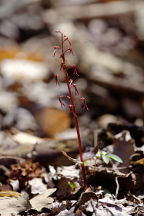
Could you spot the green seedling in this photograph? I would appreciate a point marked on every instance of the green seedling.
(72, 185)
(106, 157)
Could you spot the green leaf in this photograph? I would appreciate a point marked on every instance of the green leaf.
(105, 159)
(98, 154)
(85, 162)
(72, 185)
(115, 157)
(103, 153)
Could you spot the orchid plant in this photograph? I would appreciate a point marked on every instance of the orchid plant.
(64, 48)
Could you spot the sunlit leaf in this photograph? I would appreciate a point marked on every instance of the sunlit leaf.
(98, 154)
(115, 157)
(105, 159)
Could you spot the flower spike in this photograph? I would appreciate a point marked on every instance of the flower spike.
(65, 48)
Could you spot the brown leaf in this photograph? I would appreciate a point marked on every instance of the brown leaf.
(53, 121)
(85, 197)
(63, 188)
(141, 161)
(124, 147)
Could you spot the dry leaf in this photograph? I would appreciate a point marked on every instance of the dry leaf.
(124, 147)
(141, 161)
(42, 200)
(53, 121)
(37, 186)
(23, 70)
(8, 53)
(25, 138)
(12, 203)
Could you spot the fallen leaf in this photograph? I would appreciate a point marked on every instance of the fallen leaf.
(25, 138)
(124, 147)
(12, 203)
(42, 200)
(53, 121)
(23, 70)
(37, 186)
(141, 161)
(63, 188)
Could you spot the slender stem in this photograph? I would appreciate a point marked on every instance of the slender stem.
(74, 113)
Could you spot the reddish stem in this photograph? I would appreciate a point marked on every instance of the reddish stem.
(73, 110)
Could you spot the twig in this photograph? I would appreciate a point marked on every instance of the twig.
(117, 187)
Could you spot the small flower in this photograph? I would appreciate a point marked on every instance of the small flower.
(84, 103)
(61, 102)
(75, 88)
(57, 79)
